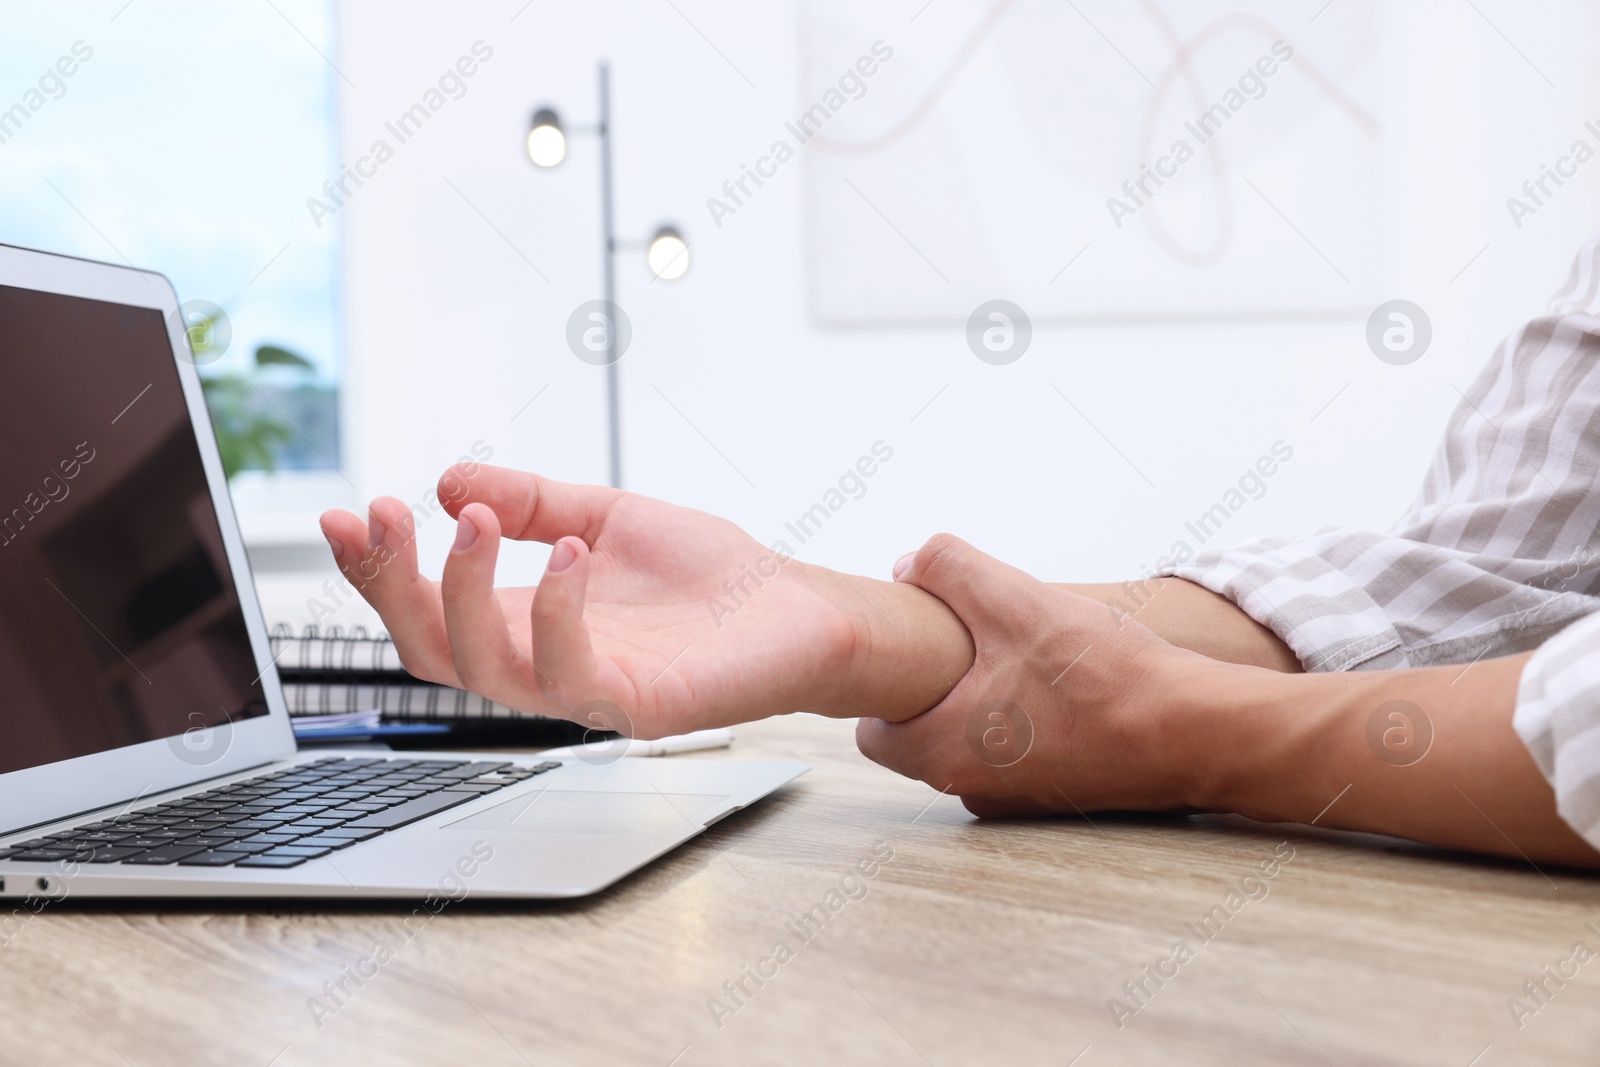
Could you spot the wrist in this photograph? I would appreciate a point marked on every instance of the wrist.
(907, 648)
(1241, 738)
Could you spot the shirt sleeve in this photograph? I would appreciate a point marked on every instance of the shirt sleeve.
(1558, 718)
(1501, 549)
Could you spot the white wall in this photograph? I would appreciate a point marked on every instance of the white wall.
(451, 330)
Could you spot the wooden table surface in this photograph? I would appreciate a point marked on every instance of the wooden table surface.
(976, 943)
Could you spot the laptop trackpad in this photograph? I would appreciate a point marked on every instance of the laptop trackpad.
(559, 811)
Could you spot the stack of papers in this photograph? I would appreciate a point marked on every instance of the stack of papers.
(312, 726)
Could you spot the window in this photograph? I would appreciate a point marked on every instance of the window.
(186, 137)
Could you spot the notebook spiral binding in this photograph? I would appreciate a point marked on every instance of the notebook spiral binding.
(332, 649)
(329, 671)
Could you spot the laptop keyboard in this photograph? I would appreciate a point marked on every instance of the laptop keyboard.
(280, 819)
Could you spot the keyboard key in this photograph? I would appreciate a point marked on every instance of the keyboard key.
(213, 859)
(41, 855)
(111, 854)
(346, 833)
(342, 814)
(236, 831)
(248, 847)
(268, 860)
(325, 841)
(170, 853)
(396, 796)
(37, 842)
(309, 852)
(472, 770)
(411, 811)
(144, 842)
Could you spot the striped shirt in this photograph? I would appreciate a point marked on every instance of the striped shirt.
(1500, 552)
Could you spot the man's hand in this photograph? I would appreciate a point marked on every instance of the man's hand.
(1073, 707)
(1060, 709)
(651, 619)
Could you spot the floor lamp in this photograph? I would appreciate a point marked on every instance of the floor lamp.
(667, 254)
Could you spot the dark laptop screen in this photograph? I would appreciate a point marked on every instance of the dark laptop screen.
(118, 617)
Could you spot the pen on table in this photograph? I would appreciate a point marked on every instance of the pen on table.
(698, 741)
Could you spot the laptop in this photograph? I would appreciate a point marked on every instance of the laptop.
(145, 748)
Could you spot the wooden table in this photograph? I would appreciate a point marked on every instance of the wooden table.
(977, 943)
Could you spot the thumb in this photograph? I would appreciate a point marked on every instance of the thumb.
(978, 587)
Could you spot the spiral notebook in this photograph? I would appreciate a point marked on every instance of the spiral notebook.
(333, 671)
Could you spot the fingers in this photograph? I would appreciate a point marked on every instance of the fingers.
(563, 651)
(979, 588)
(925, 748)
(1007, 807)
(379, 557)
(529, 507)
(487, 659)
(872, 738)
(927, 751)
(912, 748)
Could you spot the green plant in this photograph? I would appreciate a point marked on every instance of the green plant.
(249, 429)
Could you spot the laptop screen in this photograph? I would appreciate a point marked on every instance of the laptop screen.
(119, 622)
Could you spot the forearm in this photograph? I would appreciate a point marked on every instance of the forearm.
(1303, 749)
(1193, 617)
(911, 648)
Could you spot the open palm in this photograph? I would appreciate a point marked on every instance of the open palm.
(651, 619)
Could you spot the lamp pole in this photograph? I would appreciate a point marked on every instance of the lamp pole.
(609, 266)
